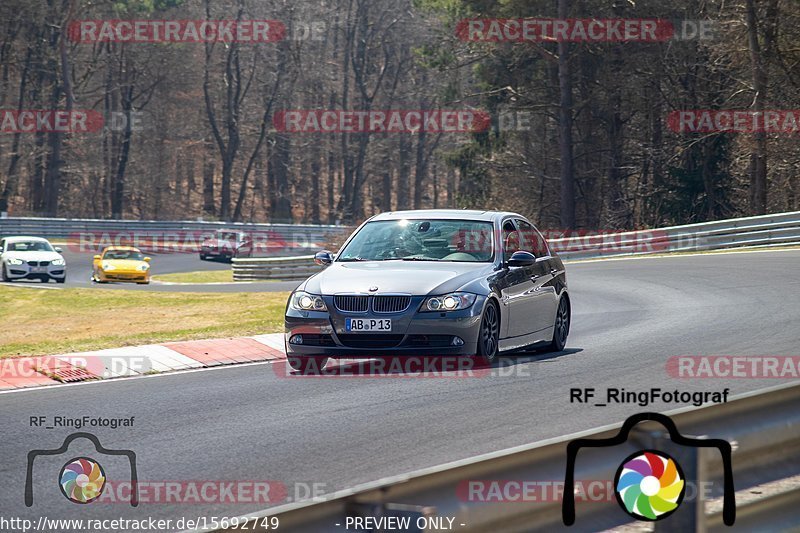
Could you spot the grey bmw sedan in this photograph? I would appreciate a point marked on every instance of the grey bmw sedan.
(427, 283)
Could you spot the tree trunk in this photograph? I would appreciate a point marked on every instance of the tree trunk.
(758, 156)
(316, 169)
(403, 172)
(209, 204)
(565, 127)
(386, 196)
(10, 186)
(419, 169)
(278, 172)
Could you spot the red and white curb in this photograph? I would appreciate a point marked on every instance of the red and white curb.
(26, 372)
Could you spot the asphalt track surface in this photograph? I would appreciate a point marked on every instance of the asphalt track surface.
(246, 423)
(79, 271)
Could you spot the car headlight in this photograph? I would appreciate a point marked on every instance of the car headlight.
(57, 262)
(144, 267)
(302, 301)
(448, 302)
(15, 261)
(108, 266)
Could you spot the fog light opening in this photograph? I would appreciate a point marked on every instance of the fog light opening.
(296, 339)
(457, 341)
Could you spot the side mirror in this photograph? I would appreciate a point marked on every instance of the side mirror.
(58, 249)
(323, 258)
(97, 258)
(146, 259)
(521, 259)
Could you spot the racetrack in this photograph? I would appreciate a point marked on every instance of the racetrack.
(79, 271)
(246, 423)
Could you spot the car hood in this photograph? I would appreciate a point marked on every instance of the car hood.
(32, 256)
(124, 264)
(416, 278)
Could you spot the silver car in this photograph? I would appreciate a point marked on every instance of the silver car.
(434, 282)
(31, 258)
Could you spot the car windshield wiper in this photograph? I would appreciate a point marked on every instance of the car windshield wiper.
(418, 259)
(351, 259)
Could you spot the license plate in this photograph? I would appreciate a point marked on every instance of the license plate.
(38, 270)
(368, 324)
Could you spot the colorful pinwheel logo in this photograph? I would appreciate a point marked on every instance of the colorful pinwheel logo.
(649, 485)
(82, 480)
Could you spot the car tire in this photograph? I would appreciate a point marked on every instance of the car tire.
(203, 257)
(5, 276)
(561, 325)
(307, 364)
(61, 280)
(489, 334)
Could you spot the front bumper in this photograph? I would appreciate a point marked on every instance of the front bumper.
(413, 333)
(26, 271)
(136, 276)
(226, 253)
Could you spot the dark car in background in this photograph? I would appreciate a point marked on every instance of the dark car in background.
(431, 282)
(227, 244)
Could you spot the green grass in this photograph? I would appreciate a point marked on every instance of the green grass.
(45, 322)
(201, 276)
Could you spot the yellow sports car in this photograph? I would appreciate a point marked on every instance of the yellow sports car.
(121, 263)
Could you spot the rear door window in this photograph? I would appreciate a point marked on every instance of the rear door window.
(531, 240)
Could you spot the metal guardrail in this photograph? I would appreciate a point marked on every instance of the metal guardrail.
(763, 428)
(283, 238)
(762, 231)
(274, 268)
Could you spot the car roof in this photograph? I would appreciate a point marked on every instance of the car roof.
(447, 214)
(18, 238)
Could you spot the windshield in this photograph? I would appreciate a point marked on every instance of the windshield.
(421, 240)
(123, 254)
(30, 246)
